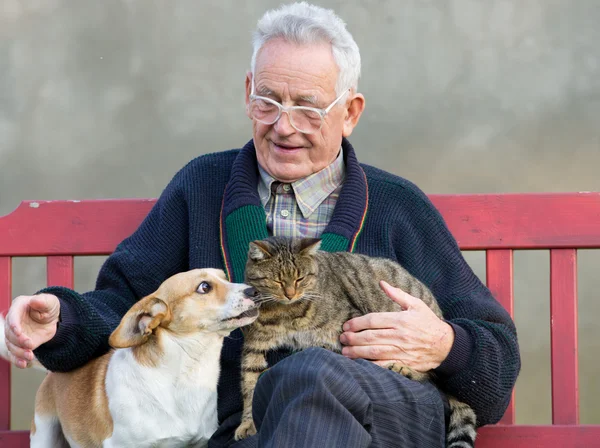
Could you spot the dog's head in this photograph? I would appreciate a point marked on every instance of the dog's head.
(200, 300)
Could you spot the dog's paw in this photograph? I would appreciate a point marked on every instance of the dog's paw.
(245, 429)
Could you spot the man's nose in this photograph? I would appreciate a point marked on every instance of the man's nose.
(283, 125)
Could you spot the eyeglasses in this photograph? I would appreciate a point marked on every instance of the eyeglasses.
(307, 120)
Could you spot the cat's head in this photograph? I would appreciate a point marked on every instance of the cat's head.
(283, 269)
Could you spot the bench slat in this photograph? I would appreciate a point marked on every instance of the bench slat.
(91, 227)
(14, 439)
(5, 299)
(477, 221)
(499, 276)
(563, 336)
(499, 436)
(59, 271)
(525, 436)
(522, 221)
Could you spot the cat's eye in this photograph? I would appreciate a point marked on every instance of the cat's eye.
(204, 288)
(299, 279)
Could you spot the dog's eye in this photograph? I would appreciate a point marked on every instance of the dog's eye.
(204, 288)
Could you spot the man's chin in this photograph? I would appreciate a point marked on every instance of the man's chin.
(286, 166)
(289, 175)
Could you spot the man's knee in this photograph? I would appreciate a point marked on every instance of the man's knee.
(308, 366)
(314, 378)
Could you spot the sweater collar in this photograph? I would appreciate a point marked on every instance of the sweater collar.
(243, 217)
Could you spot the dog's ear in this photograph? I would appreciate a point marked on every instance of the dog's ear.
(140, 322)
(259, 250)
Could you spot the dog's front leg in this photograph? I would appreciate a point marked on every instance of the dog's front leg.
(254, 363)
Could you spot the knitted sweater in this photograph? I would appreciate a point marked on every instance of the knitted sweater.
(209, 213)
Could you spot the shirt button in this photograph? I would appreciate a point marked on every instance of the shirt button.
(286, 187)
(285, 213)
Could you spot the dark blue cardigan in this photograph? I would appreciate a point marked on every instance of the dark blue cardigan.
(211, 210)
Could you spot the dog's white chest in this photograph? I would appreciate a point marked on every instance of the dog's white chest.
(149, 408)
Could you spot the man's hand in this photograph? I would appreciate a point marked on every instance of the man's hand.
(30, 322)
(414, 337)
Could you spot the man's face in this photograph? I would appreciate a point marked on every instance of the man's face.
(300, 75)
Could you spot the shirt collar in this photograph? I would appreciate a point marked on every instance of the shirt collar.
(265, 182)
(310, 191)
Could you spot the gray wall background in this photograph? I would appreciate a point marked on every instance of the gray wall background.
(110, 98)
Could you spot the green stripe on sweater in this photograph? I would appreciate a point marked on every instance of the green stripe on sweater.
(244, 225)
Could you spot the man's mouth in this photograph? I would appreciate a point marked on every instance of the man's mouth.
(286, 146)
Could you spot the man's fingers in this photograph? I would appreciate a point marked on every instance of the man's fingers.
(372, 321)
(372, 352)
(19, 352)
(370, 337)
(386, 362)
(20, 363)
(15, 315)
(17, 337)
(43, 308)
(402, 298)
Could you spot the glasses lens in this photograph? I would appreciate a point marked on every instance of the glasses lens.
(306, 120)
(303, 119)
(264, 111)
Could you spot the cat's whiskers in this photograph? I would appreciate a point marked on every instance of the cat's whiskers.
(311, 297)
(265, 298)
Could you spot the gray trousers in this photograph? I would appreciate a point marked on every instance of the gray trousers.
(317, 398)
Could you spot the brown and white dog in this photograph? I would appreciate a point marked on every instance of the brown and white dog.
(158, 387)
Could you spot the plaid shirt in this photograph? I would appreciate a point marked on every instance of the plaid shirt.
(302, 208)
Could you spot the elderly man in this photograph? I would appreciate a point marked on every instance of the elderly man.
(299, 176)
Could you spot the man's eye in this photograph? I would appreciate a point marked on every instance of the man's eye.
(204, 288)
(265, 105)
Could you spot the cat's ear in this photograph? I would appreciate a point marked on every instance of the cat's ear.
(309, 246)
(259, 250)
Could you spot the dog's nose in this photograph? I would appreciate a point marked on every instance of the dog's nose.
(251, 292)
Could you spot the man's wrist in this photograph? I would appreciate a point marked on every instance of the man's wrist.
(460, 354)
(444, 344)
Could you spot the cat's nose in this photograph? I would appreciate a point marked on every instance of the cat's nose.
(251, 292)
(290, 292)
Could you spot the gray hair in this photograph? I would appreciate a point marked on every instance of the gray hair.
(303, 24)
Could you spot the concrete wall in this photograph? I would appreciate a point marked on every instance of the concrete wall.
(109, 99)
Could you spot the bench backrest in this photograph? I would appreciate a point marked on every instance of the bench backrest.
(497, 224)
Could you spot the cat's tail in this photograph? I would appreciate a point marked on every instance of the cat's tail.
(461, 429)
(4, 350)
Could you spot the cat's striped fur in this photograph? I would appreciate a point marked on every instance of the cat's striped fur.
(307, 295)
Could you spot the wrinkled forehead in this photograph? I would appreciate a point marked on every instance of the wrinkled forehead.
(284, 68)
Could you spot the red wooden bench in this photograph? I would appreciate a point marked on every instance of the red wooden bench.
(498, 224)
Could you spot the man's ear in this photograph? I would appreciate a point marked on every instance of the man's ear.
(353, 112)
(140, 322)
(248, 92)
(259, 250)
(309, 246)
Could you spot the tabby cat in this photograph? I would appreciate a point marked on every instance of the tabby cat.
(307, 295)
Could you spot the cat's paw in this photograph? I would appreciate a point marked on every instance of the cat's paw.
(408, 372)
(246, 429)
